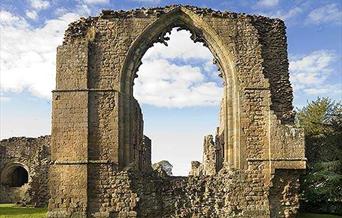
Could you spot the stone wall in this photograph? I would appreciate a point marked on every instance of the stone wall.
(212, 161)
(32, 155)
(228, 194)
(284, 193)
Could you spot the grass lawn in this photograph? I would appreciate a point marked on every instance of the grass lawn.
(13, 211)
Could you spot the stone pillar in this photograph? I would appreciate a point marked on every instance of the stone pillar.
(209, 156)
(68, 181)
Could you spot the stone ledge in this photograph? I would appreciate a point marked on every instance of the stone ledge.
(84, 90)
(276, 159)
(77, 162)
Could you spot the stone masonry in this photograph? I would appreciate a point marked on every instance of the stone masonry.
(212, 159)
(100, 157)
(24, 164)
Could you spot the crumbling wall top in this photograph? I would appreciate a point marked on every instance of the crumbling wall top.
(20, 139)
(80, 28)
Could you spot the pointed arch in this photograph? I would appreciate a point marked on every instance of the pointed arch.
(224, 58)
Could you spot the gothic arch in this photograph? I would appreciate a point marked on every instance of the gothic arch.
(223, 57)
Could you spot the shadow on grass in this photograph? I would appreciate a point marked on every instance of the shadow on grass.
(11, 210)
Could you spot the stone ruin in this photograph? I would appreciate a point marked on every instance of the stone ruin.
(212, 159)
(24, 164)
(100, 158)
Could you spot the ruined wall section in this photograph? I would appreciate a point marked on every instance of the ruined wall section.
(134, 194)
(254, 93)
(69, 139)
(109, 49)
(94, 58)
(34, 155)
(260, 54)
(146, 155)
(210, 157)
(212, 160)
(110, 193)
(267, 37)
(205, 196)
(272, 37)
(109, 41)
(241, 38)
(287, 150)
(284, 193)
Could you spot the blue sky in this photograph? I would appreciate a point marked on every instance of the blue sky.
(186, 109)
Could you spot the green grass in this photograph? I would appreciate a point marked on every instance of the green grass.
(315, 215)
(13, 211)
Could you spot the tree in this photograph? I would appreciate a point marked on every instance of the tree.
(322, 123)
(322, 184)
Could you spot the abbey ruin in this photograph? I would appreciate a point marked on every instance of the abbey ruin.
(24, 166)
(100, 163)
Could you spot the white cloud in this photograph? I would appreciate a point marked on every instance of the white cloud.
(267, 3)
(32, 14)
(330, 89)
(7, 18)
(179, 46)
(96, 1)
(28, 55)
(310, 73)
(282, 14)
(80, 9)
(164, 83)
(331, 13)
(39, 4)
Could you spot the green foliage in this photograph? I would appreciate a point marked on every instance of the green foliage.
(322, 123)
(323, 182)
(320, 116)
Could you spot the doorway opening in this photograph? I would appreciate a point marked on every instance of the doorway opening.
(15, 176)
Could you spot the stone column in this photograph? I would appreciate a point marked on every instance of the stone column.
(69, 140)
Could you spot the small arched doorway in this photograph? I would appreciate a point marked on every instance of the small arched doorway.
(19, 177)
(14, 175)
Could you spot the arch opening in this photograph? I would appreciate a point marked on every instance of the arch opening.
(223, 58)
(15, 176)
(179, 90)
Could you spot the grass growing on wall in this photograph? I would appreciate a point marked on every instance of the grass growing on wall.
(13, 211)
